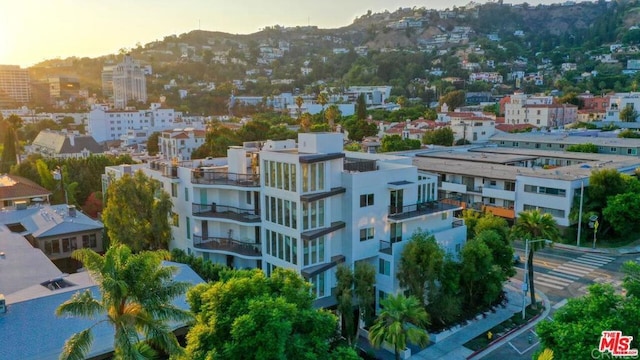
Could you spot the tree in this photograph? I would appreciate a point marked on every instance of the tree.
(305, 122)
(585, 148)
(396, 143)
(628, 114)
(480, 278)
(322, 99)
(402, 101)
(359, 129)
(344, 295)
(364, 279)
(136, 294)
(153, 146)
(400, 322)
(247, 315)
(623, 212)
(534, 225)
(501, 251)
(332, 113)
(453, 99)
(420, 265)
(361, 107)
(442, 136)
(134, 216)
(577, 327)
(299, 102)
(9, 151)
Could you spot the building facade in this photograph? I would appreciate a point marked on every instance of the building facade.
(105, 124)
(304, 205)
(14, 83)
(129, 83)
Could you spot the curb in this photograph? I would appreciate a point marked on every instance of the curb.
(475, 353)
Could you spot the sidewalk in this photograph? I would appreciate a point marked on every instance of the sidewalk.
(452, 347)
(634, 248)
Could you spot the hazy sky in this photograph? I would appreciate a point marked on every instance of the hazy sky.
(36, 30)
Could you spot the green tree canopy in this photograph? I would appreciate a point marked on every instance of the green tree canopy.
(453, 99)
(480, 278)
(136, 213)
(247, 315)
(628, 114)
(136, 294)
(443, 136)
(153, 146)
(396, 143)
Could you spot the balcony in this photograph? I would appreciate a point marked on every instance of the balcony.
(214, 210)
(205, 176)
(386, 247)
(228, 245)
(425, 208)
(314, 270)
(508, 213)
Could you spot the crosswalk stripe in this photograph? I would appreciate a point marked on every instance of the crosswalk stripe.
(581, 272)
(557, 279)
(580, 266)
(599, 257)
(589, 262)
(539, 282)
(570, 271)
(572, 277)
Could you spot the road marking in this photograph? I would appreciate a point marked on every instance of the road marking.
(559, 280)
(560, 304)
(598, 257)
(541, 281)
(587, 262)
(572, 277)
(580, 267)
(569, 271)
(573, 270)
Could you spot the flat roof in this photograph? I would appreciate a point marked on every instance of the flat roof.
(566, 138)
(492, 158)
(471, 164)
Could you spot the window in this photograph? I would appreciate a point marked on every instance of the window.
(313, 251)
(366, 234)
(186, 194)
(492, 183)
(510, 186)
(66, 245)
(395, 233)
(188, 228)
(613, 149)
(554, 212)
(445, 215)
(384, 267)
(89, 241)
(492, 201)
(318, 284)
(174, 190)
(366, 200)
(631, 151)
(175, 219)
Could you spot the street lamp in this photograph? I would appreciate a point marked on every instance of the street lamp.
(593, 223)
(57, 175)
(525, 283)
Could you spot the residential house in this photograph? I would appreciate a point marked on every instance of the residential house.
(18, 191)
(64, 145)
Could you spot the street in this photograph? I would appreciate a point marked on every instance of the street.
(561, 274)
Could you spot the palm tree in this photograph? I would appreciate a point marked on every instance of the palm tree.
(534, 225)
(136, 293)
(299, 102)
(332, 113)
(399, 322)
(322, 99)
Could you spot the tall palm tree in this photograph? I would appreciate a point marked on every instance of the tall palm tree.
(299, 102)
(399, 322)
(136, 291)
(534, 225)
(322, 99)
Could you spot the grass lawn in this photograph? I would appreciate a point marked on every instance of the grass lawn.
(482, 341)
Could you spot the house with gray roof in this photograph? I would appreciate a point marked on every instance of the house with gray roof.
(34, 332)
(58, 144)
(56, 230)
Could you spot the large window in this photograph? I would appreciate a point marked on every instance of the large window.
(313, 214)
(395, 232)
(314, 251)
(284, 247)
(313, 177)
(318, 284)
(279, 175)
(89, 241)
(545, 190)
(281, 211)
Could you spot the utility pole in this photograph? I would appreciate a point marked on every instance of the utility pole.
(580, 213)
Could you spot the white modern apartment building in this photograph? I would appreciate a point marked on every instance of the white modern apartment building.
(304, 205)
(14, 82)
(105, 124)
(129, 83)
(507, 181)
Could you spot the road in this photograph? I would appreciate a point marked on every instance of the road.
(561, 275)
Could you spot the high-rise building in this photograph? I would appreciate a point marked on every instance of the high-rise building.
(129, 83)
(14, 83)
(107, 80)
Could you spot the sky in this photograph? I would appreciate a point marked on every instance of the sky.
(35, 30)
